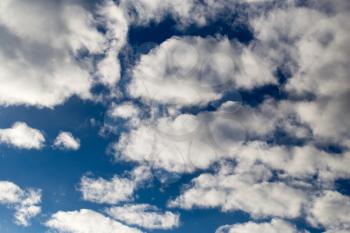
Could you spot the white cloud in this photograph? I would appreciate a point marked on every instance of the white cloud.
(65, 140)
(42, 50)
(275, 226)
(330, 210)
(113, 191)
(86, 221)
(184, 142)
(166, 144)
(22, 136)
(194, 70)
(317, 54)
(327, 117)
(145, 216)
(125, 110)
(113, 17)
(247, 190)
(41, 64)
(296, 161)
(186, 12)
(24, 202)
(338, 231)
(154, 11)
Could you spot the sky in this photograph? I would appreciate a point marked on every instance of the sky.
(180, 116)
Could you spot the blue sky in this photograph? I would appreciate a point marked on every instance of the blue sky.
(174, 116)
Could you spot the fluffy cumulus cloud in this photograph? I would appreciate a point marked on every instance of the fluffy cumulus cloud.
(173, 141)
(125, 111)
(185, 107)
(145, 216)
(185, 142)
(24, 202)
(185, 12)
(175, 75)
(318, 56)
(42, 62)
(113, 18)
(195, 70)
(86, 221)
(151, 144)
(113, 191)
(22, 136)
(248, 191)
(331, 210)
(66, 140)
(275, 226)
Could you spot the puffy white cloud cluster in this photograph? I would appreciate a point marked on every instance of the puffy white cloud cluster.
(42, 62)
(66, 140)
(86, 221)
(195, 70)
(269, 178)
(315, 112)
(108, 69)
(22, 136)
(184, 143)
(275, 226)
(145, 216)
(247, 190)
(185, 12)
(24, 202)
(125, 111)
(321, 54)
(251, 189)
(113, 191)
(331, 210)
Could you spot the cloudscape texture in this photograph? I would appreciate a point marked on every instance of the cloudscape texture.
(179, 116)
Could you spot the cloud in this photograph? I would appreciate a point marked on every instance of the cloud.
(115, 190)
(65, 140)
(58, 50)
(327, 118)
(145, 216)
(246, 190)
(275, 226)
(296, 161)
(86, 221)
(154, 11)
(337, 231)
(24, 202)
(315, 54)
(185, 143)
(195, 70)
(331, 210)
(128, 112)
(166, 144)
(108, 69)
(22, 136)
(42, 63)
(174, 141)
(125, 111)
(184, 12)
